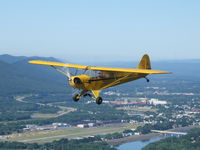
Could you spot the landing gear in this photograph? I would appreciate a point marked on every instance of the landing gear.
(147, 79)
(99, 100)
(76, 97)
(87, 94)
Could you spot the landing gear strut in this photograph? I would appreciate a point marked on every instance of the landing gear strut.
(99, 100)
(87, 94)
(147, 79)
(76, 97)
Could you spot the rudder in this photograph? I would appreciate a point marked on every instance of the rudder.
(144, 63)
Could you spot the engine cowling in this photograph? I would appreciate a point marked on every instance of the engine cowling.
(78, 81)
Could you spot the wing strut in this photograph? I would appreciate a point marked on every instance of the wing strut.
(115, 82)
(96, 93)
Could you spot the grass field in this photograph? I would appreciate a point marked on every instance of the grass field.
(48, 136)
(63, 111)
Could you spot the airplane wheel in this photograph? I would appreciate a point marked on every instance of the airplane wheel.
(99, 100)
(76, 97)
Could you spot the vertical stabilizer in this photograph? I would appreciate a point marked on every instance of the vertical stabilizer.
(144, 63)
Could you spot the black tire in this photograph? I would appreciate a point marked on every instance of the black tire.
(99, 100)
(76, 97)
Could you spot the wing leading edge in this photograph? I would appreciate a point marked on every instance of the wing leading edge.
(142, 71)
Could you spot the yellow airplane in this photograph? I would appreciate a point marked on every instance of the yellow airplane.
(95, 79)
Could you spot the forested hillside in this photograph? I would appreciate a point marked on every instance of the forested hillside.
(17, 76)
(63, 144)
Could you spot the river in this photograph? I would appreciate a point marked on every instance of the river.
(137, 145)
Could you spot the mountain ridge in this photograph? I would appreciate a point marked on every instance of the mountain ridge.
(18, 76)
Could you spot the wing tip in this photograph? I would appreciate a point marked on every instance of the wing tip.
(35, 61)
(31, 61)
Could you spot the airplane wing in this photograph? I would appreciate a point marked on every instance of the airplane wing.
(107, 69)
(59, 64)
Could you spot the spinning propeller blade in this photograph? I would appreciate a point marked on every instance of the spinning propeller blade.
(67, 73)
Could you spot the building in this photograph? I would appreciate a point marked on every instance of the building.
(154, 101)
(91, 124)
(80, 126)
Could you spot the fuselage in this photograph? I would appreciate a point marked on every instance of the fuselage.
(86, 82)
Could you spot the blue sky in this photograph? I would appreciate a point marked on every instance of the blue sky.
(101, 30)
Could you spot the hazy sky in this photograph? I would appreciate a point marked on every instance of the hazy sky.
(101, 30)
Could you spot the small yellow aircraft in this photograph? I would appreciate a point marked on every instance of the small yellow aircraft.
(95, 79)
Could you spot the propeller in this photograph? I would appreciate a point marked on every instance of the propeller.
(67, 73)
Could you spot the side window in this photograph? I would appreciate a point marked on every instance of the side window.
(97, 74)
(100, 75)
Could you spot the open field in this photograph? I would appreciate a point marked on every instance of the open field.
(42, 116)
(63, 111)
(48, 136)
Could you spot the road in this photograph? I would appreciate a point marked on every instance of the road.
(63, 110)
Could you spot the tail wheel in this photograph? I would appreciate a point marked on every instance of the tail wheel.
(76, 97)
(99, 100)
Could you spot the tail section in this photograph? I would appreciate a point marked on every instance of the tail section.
(144, 63)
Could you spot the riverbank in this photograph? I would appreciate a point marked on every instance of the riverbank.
(137, 145)
(133, 138)
(146, 136)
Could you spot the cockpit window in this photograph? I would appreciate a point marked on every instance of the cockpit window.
(97, 74)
